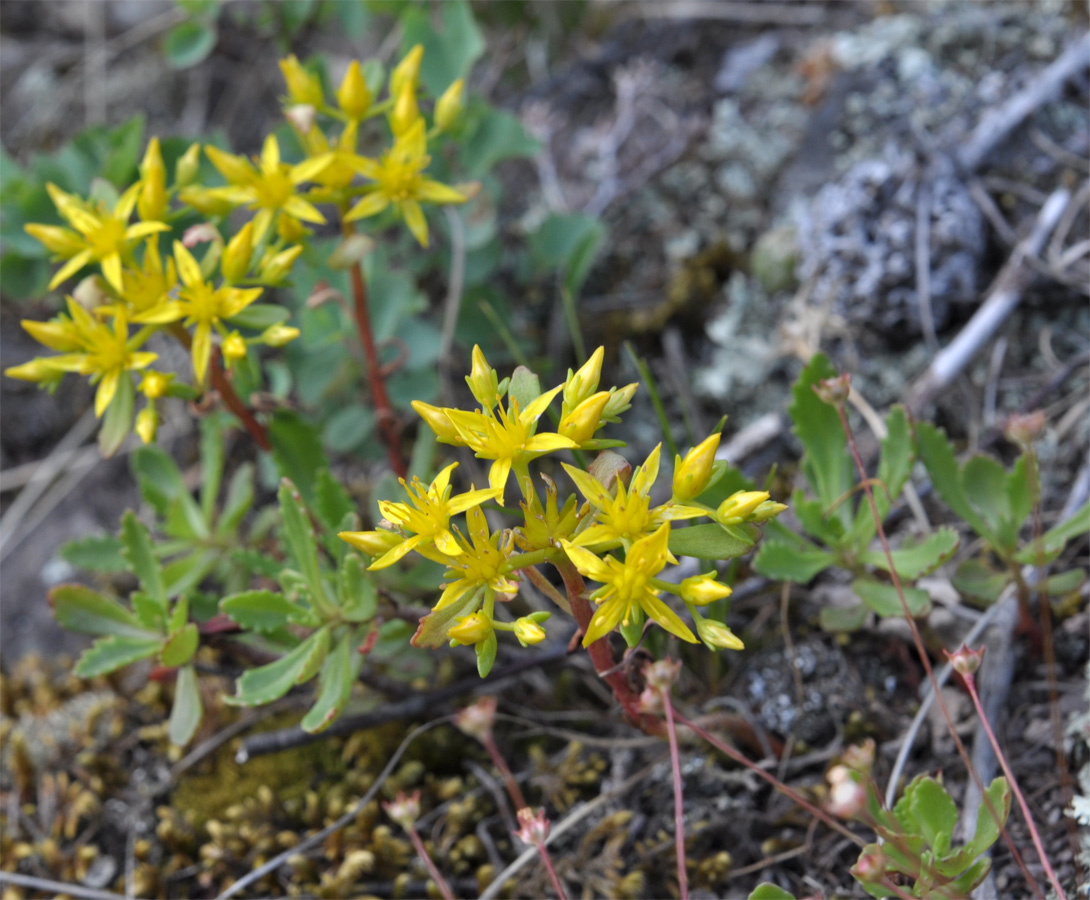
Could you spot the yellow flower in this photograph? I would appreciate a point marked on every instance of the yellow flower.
(155, 384)
(480, 565)
(234, 348)
(199, 304)
(626, 516)
(400, 182)
(269, 187)
(103, 353)
(427, 520)
(149, 285)
(628, 585)
(101, 235)
(505, 436)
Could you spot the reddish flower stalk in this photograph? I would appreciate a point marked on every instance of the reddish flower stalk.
(970, 685)
(405, 809)
(387, 418)
(513, 789)
(533, 830)
(660, 677)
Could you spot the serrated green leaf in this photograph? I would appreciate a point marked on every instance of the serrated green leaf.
(783, 562)
(937, 454)
(85, 610)
(335, 686)
(347, 428)
(266, 683)
(769, 891)
(934, 812)
(98, 553)
(713, 541)
(186, 572)
(842, 618)
(974, 579)
(358, 594)
(179, 615)
(179, 648)
(185, 521)
(969, 880)
(117, 422)
(159, 478)
(985, 484)
(987, 828)
(814, 521)
(894, 467)
(486, 654)
(1053, 541)
(299, 536)
(188, 710)
(1020, 493)
(114, 652)
(264, 611)
(139, 552)
(883, 599)
(826, 462)
(151, 615)
(915, 559)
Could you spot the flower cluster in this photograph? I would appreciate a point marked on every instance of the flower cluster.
(617, 538)
(138, 280)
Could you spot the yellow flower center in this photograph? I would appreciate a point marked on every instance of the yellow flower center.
(203, 302)
(400, 176)
(108, 238)
(273, 189)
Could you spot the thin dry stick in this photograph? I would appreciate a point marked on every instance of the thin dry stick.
(922, 651)
(317, 838)
(679, 797)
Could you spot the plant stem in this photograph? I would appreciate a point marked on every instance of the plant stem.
(547, 861)
(921, 651)
(970, 685)
(422, 852)
(387, 418)
(679, 807)
(513, 789)
(789, 792)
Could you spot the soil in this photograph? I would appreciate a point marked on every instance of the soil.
(764, 171)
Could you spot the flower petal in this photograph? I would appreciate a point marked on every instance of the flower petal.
(589, 486)
(666, 617)
(414, 218)
(395, 553)
(368, 205)
(607, 618)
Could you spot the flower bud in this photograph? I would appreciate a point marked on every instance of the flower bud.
(278, 267)
(650, 701)
(303, 87)
(155, 384)
(404, 809)
(661, 674)
(965, 661)
(152, 202)
(1024, 429)
(847, 798)
(189, 163)
(236, 255)
(620, 399)
(738, 506)
(692, 473)
(477, 720)
(700, 590)
(234, 348)
(528, 632)
(871, 865)
(38, 370)
(278, 335)
(533, 828)
(471, 629)
(405, 111)
(717, 636)
(353, 96)
(438, 422)
(371, 543)
(767, 510)
(482, 380)
(406, 71)
(834, 391)
(449, 107)
(583, 383)
(580, 424)
(147, 421)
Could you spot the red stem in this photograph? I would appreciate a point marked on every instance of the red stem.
(679, 808)
(547, 861)
(922, 652)
(387, 419)
(970, 684)
(513, 789)
(422, 852)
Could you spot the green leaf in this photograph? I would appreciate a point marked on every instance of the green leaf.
(978, 581)
(212, 459)
(492, 136)
(916, 559)
(335, 685)
(259, 316)
(938, 457)
(1020, 494)
(117, 423)
(883, 598)
(567, 242)
(525, 387)
(783, 562)
(826, 462)
(151, 615)
(987, 828)
(811, 515)
(188, 710)
(297, 450)
(299, 537)
(358, 594)
(180, 646)
(894, 468)
(140, 555)
(82, 609)
(239, 499)
(189, 43)
(985, 484)
(266, 683)
(331, 501)
(1065, 582)
(713, 541)
(114, 652)
(1054, 540)
(98, 553)
(186, 572)
(265, 611)
(432, 630)
(348, 428)
(768, 891)
(842, 618)
(935, 813)
(486, 654)
(449, 50)
(161, 482)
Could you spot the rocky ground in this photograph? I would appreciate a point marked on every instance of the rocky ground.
(776, 179)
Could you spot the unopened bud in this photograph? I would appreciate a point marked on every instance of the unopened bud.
(692, 473)
(528, 632)
(482, 380)
(717, 636)
(151, 205)
(371, 543)
(700, 590)
(834, 391)
(437, 421)
(147, 422)
(278, 335)
(155, 384)
(278, 267)
(234, 348)
(871, 865)
(965, 661)
(477, 720)
(404, 809)
(405, 112)
(620, 399)
(189, 163)
(406, 71)
(583, 383)
(1024, 429)
(847, 798)
(767, 510)
(353, 96)
(533, 827)
(580, 424)
(448, 108)
(739, 506)
(236, 256)
(471, 629)
(303, 87)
